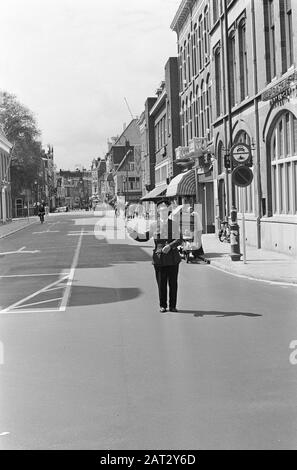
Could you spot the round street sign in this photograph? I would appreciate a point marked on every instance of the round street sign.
(242, 176)
(241, 153)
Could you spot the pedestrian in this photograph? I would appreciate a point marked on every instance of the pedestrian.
(166, 257)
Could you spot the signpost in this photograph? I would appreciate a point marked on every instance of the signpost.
(242, 176)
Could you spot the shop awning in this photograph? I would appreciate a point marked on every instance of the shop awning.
(156, 193)
(182, 185)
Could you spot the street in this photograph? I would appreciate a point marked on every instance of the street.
(90, 362)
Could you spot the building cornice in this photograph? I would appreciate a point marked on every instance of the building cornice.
(181, 15)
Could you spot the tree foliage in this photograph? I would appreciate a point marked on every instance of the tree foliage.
(20, 128)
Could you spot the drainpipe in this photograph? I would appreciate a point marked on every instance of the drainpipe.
(256, 105)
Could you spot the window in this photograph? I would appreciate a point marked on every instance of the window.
(232, 67)
(208, 105)
(186, 123)
(197, 112)
(220, 158)
(194, 50)
(218, 78)
(184, 66)
(215, 10)
(180, 59)
(206, 35)
(269, 29)
(189, 65)
(200, 43)
(182, 119)
(286, 30)
(202, 108)
(243, 64)
(283, 160)
(190, 118)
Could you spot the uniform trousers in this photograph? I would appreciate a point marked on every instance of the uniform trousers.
(167, 276)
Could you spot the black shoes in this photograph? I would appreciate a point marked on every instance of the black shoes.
(173, 309)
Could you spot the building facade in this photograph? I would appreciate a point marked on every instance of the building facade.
(192, 26)
(124, 150)
(255, 52)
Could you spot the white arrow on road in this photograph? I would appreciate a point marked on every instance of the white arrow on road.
(20, 251)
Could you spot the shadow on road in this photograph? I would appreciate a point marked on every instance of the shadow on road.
(87, 295)
(198, 313)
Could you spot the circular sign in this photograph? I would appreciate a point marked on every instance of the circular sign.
(242, 176)
(241, 152)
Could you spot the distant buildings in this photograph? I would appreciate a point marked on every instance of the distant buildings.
(5, 184)
(74, 189)
(123, 166)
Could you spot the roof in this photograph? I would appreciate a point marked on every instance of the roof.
(123, 133)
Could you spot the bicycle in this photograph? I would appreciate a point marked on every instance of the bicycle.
(224, 232)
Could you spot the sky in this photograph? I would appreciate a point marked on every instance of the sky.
(72, 63)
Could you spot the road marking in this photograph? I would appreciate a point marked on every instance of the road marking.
(46, 231)
(40, 302)
(35, 310)
(4, 433)
(71, 275)
(20, 251)
(32, 275)
(78, 234)
(40, 291)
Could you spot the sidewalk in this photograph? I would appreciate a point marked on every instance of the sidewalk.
(15, 225)
(261, 264)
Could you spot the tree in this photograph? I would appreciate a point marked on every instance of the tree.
(20, 128)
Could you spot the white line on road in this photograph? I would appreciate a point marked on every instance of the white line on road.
(71, 275)
(33, 275)
(46, 231)
(19, 251)
(41, 302)
(4, 433)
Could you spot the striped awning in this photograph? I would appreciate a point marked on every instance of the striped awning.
(182, 185)
(156, 193)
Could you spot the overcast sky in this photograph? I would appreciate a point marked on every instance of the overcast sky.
(72, 62)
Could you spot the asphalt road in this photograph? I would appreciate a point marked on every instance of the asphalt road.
(90, 362)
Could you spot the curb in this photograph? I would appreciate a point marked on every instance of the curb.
(18, 229)
(251, 277)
